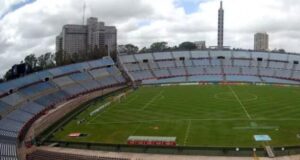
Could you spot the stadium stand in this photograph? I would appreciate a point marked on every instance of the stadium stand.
(8, 152)
(63, 81)
(18, 83)
(99, 73)
(73, 89)
(161, 73)
(20, 116)
(32, 108)
(195, 70)
(201, 62)
(13, 99)
(140, 75)
(25, 99)
(39, 88)
(153, 65)
(247, 66)
(81, 77)
(249, 71)
(188, 63)
(144, 66)
(232, 70)
(206, 78)
(237, 78)
(278, 81)
(241, 62)
(3, 107)
(162, 55)
(133, 67)
(44, 74)
(177, 71)
(48, 155)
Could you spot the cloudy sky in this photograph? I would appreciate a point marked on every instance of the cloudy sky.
(30, 26)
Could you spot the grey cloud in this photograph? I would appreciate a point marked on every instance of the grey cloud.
(32, 29)
(4, 45)
(113, 11)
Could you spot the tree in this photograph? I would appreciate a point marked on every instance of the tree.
(187, 46)
(76, 57)
(281, 50)
(59, 57)
(46, 61)
(97, 53)
(144, 50)
(131, 49)
(174, 48)
(31, 60)
(159, 46)
(67, 59)
(8, 75)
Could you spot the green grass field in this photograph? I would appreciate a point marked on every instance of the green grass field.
(212, 115)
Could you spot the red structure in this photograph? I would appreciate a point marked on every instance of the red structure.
(151, 141)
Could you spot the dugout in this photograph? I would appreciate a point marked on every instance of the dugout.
(151, 141)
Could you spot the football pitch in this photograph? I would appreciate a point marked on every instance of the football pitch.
(198, 115)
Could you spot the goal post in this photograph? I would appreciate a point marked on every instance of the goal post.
(120, 97)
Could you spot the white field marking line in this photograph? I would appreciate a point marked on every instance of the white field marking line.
(134, 131)
(170, 120)
(130, 100)
(104, 110)
(152, 100)
(173, 120)
(237, 98)
(136, 128)
(187, 132)
(89, 122)
(216, 96)
(99, 113)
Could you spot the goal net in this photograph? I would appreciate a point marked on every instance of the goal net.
(119, 97)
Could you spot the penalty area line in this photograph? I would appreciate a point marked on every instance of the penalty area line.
(152, 100)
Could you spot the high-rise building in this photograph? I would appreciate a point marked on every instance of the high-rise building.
(83, 39)
(220, 26)
(261, 42)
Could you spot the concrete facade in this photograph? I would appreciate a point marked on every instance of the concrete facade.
(261, 42)
(83, 39)
(200, 44)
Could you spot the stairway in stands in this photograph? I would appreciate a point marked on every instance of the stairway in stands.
(270, 151)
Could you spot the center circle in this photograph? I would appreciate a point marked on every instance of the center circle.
(229, 96)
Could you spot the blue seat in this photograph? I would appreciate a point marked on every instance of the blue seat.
(78, 77)
(4, 107)
(32, 107)
(37, 88)
(10, 125)
(20, 116)
(13, 99)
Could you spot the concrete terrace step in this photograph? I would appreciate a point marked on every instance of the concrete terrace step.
(270, 151)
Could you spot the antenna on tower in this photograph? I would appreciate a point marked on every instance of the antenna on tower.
(83, 13)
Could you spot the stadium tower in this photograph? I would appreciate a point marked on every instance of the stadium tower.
(220, 26)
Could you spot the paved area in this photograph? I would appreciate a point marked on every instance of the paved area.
(139, 156)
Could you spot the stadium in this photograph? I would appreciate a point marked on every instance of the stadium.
(212, 103)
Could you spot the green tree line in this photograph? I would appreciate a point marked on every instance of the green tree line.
(60, 58)
(160, 47)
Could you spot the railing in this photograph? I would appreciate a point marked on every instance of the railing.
(179, 150)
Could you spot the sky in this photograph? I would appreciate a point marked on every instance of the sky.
(30, 26)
